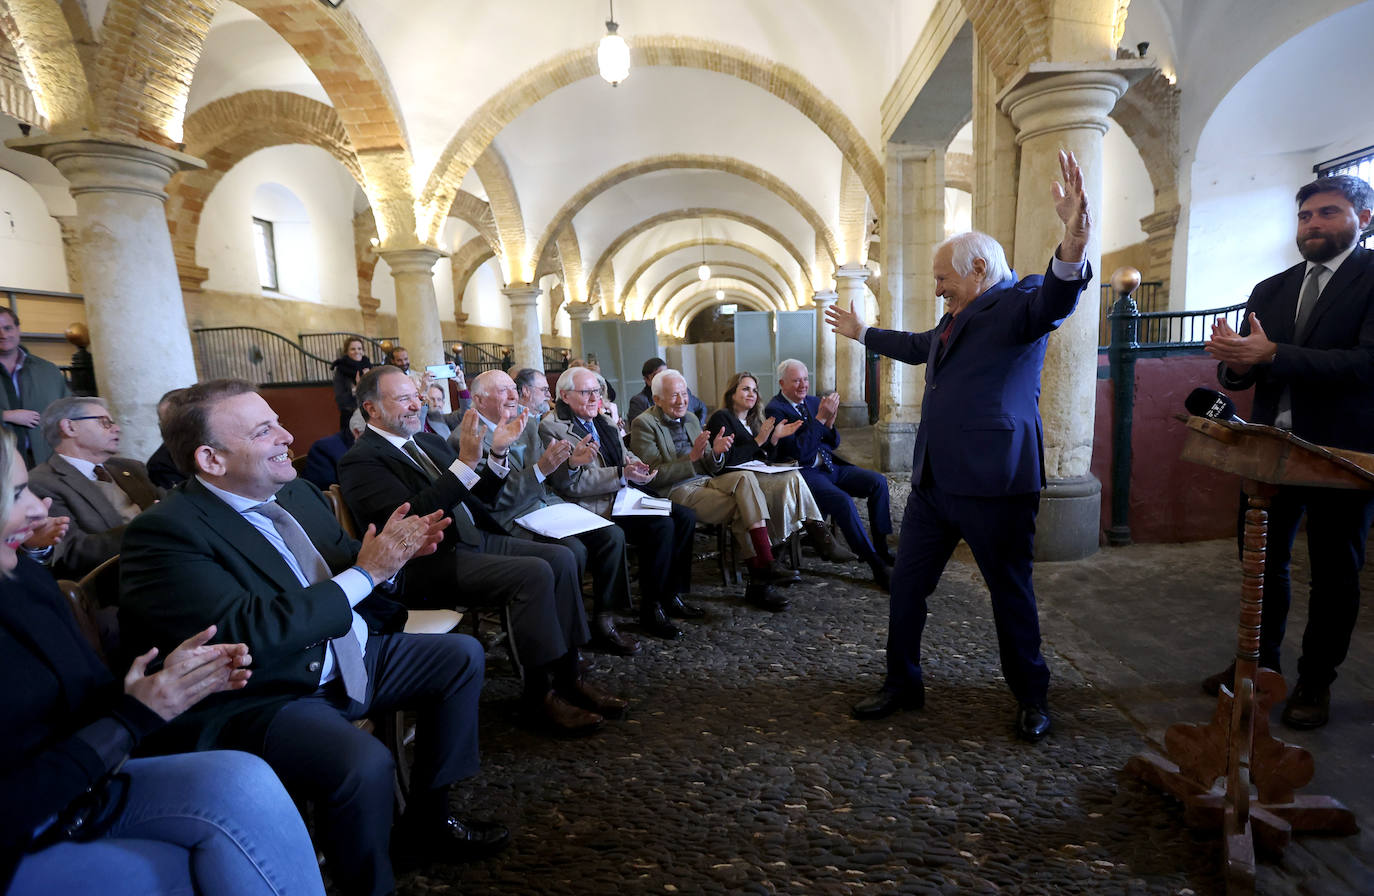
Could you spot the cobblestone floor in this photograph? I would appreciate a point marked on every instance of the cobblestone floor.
(740, 770)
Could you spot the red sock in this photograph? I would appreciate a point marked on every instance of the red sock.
(763, 550)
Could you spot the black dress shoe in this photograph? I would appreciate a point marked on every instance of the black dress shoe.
(760, 595)
(1032, 722)
(452, 841)
(608, 639)
(1211, 685)
(882, 575)
(887, 701)
(657, 624)
(1309, 706)
(674, 608)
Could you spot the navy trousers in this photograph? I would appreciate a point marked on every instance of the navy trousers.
(832, 491)
(1001, 533)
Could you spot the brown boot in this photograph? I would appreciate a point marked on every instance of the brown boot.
(829, 550)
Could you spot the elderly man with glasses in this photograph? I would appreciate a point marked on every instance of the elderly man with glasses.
(87, 482)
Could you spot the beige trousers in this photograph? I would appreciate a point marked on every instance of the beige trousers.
(789, 503)
(733, 497)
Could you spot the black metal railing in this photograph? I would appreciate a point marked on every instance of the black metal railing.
(257, 355)
(327, 345)
(1150, 334)
(1149, 296)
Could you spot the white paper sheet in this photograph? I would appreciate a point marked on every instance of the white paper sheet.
(562, 520)
(633, 502)
(759, 466)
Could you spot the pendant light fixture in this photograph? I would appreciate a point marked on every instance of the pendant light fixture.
(703, 272)
(613, 54)
(720, 295)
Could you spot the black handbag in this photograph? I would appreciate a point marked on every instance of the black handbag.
(89, 816)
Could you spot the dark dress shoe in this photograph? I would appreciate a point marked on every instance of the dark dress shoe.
(452, 841)
(1309, 706)
(674, 608)
(1211, 685)
(882, 575)
(559, 717)
(887, 701)
(585, 695)
(774, 574)
(608, 639)
(1032, 722)
(765, 598)
(657, 624)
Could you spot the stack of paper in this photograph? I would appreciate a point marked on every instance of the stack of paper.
(759, 466)
(633, 502)
(562, 520)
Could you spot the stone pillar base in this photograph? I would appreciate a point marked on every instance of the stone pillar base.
(893, 445)
(851, 415)
(1070, 520)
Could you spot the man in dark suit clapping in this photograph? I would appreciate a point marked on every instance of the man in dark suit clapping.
(1307, 347)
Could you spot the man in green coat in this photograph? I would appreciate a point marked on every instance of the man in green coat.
(30, 385)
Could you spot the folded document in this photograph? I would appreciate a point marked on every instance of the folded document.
(633, 502)
(562, 520)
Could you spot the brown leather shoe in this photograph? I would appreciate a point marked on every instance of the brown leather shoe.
(588, 696)
(1308, 707)
(562, 718)
(827, 548)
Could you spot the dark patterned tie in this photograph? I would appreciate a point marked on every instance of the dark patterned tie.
(347, 652)
(103, 474)
(462, 517)
(1307, 300)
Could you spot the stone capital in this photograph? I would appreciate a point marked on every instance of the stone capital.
(1048, 97)
(108, 166)
(579, 311)
(522, 294)
(825, 298)
(412, 261)
(852, 275)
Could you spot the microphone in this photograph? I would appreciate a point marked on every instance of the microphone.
(1211, 404)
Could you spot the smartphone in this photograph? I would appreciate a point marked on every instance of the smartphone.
(442, 371)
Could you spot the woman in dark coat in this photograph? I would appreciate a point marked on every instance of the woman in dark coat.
(80, 816)
(790, 504)
(351, 364)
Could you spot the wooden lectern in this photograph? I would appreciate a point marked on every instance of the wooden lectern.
(1257, 801)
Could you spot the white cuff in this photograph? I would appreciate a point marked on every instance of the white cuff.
(355, 585)
(862, 334)
(1067, 270)
(469, 478)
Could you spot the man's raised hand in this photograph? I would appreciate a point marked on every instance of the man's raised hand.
(846, 323)
(1071, 205)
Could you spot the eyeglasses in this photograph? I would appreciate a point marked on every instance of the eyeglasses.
(585, 393)
(105, 422)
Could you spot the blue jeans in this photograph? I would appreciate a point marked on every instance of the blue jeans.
(216, 823)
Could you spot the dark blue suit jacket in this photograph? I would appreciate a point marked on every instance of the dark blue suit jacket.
(1331, 371)
(980, 431)
(803, 444)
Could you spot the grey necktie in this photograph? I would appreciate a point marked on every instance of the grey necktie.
(1307, 300)
(347, 653)
(462, 517)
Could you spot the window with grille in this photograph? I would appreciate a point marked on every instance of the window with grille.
(1359, 164)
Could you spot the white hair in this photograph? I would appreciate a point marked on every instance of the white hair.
(972, 245)
(656, 387)
(481, 386)
(567, 380)
(788, 365)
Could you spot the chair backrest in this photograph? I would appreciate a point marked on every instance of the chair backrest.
(298, 463)
(341, 512)
(93, 601)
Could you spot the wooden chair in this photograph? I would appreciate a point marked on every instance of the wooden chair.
(724, 554)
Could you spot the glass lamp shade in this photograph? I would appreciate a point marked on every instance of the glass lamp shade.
(704, 272)
(613, 56)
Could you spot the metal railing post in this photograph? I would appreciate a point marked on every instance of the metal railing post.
(1125, 321)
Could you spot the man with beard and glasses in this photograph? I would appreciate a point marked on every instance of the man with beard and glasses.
(1307, 347)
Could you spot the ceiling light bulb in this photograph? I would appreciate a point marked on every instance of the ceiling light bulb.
(613, 55)
(704, 272)
(720, 295)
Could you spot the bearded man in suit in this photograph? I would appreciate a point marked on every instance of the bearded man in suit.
(1306, 346)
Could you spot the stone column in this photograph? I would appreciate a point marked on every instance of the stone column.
(524, 325)
(915, 225)
(578, 314)
(417, 308)
(849, 355)
(1054, 107)
(823, 377)
(134, 307)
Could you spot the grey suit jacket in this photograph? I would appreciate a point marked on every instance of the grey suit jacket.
(97, 528)
(523, 492)
(594, 485)
(653, 442)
